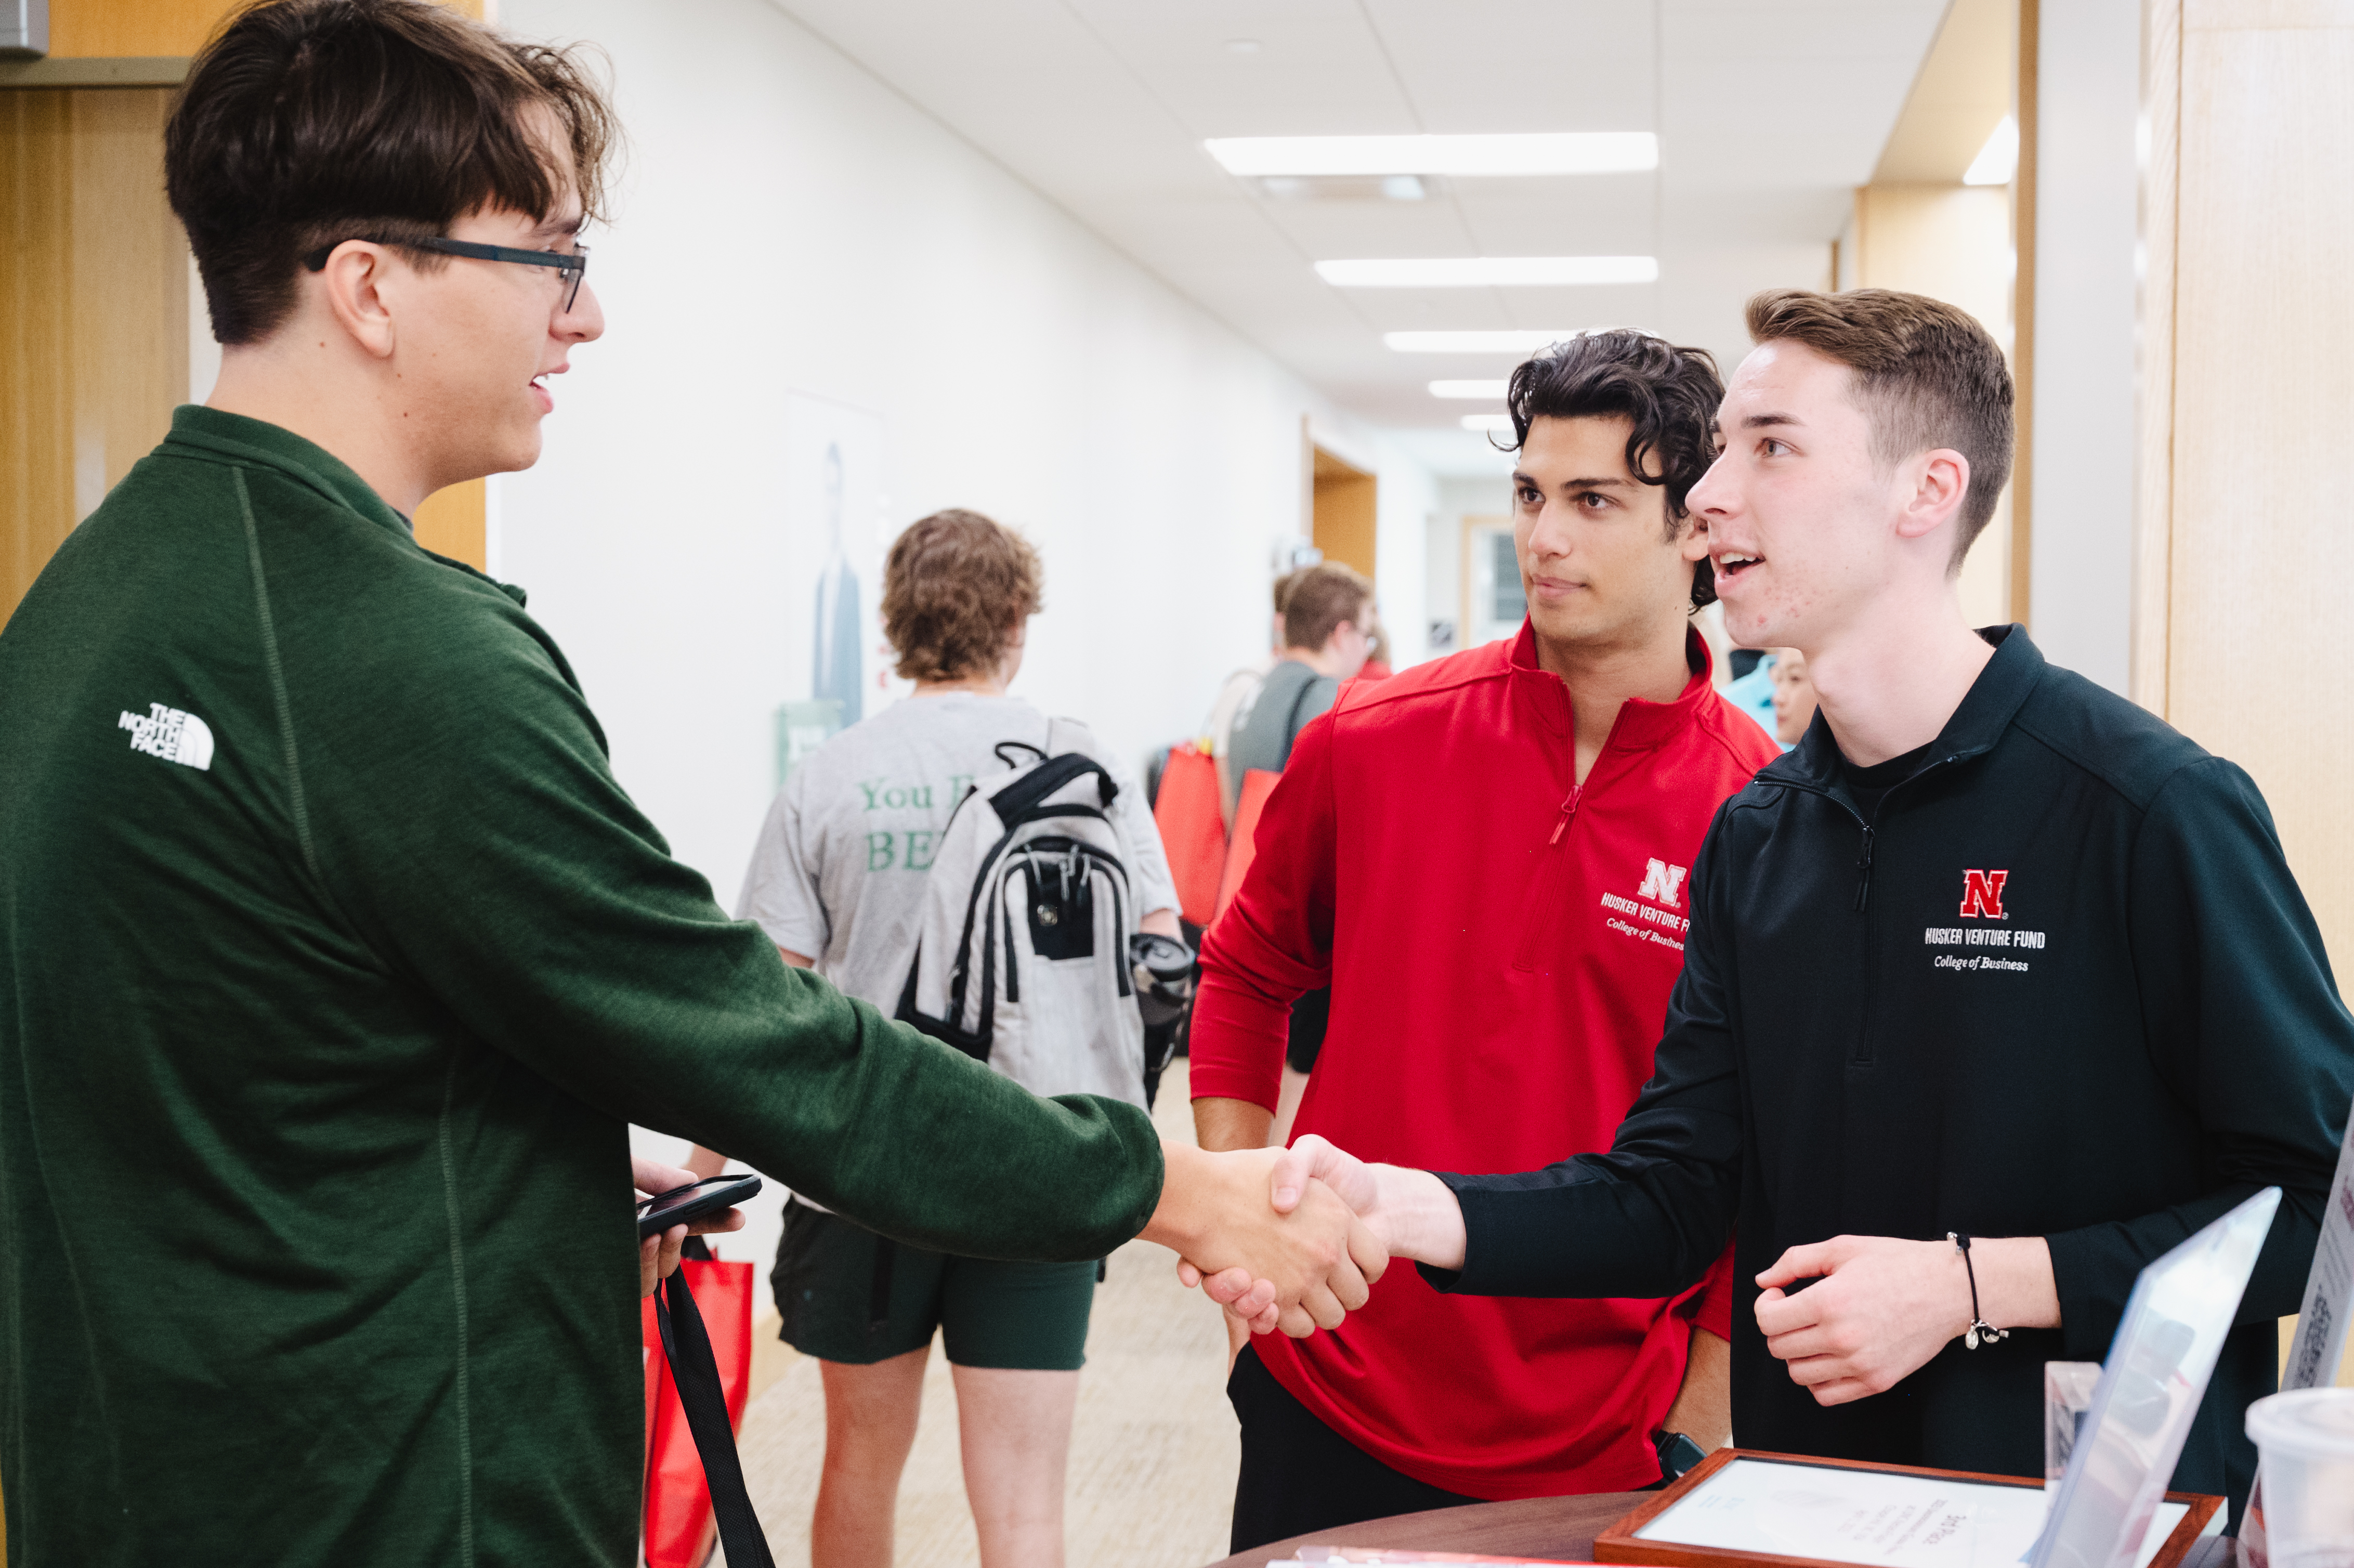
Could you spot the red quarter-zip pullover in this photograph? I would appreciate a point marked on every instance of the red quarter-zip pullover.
(1500, 942)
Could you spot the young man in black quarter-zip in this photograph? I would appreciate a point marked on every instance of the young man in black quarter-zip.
(1993, 952)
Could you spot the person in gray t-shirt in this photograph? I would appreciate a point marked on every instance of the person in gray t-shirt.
(1326, 633)
(837, 881)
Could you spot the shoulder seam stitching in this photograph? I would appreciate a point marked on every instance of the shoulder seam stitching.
(1382, 699)
(279, 698)
(2109, 780)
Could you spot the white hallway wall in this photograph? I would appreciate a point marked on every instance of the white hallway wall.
(789, 224)
(786, 222)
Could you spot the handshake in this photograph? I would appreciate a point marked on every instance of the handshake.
(1293, 1238)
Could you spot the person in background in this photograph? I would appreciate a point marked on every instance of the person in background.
(838, 883)
(1794, 697)
(1484, 857)
(1326, 623)
(1235, 699)
(1376, 666)
(1751, 691)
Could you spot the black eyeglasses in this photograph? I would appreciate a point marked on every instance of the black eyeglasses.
(571, 266)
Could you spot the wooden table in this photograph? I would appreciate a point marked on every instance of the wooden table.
(1532, 1527)
(1561, 1528)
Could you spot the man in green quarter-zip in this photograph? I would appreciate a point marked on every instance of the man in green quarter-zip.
(333, 962)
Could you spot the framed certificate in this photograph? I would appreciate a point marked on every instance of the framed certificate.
(1741, 1509)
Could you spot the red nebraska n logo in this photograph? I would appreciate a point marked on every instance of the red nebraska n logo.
(1982, 894)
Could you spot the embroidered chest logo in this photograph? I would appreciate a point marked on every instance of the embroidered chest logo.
(1662, 883)
(171, 735)
(1982, 895)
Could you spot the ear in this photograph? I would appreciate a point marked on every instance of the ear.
(1939, 479)
(1693, 545)
(355, 287)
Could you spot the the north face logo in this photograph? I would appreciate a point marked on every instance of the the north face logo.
(1661, 883)
(1982, 895)
(171, 735)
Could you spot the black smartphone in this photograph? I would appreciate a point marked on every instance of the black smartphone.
(693, 1201)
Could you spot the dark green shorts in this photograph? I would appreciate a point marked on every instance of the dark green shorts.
(846, 1295)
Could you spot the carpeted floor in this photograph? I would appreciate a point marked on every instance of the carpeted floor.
(1152, 1454)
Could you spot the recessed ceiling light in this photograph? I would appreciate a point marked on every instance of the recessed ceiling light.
(1490, 390)
(1482, 272)
(1242, 46)
(1487, 421)
(1998, 159)
(1516, 341)
(1552, 153)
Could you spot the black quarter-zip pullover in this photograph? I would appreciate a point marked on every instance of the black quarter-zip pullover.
(2057, 982)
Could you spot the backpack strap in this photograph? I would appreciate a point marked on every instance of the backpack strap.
(1020, 802)
(1291, 726)
(687, 1346)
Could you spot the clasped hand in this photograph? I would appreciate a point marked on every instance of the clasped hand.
(1303, 1264)
(1392, 1213)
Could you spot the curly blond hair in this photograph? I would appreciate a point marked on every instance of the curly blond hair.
(955, 588)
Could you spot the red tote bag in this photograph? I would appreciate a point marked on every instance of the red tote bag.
(679, 1528)
(1193, 830)
(1258, 783)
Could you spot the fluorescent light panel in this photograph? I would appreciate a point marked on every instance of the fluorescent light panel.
(1517, 341)
(1487, 421)
(1490, 390)
(1488, 271)
(1998, 160)
(1552, 153)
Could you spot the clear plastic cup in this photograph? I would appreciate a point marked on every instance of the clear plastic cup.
(2306, 1438)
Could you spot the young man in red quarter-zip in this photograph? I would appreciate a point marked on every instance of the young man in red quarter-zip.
(1486, 856)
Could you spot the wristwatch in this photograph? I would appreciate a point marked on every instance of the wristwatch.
(1678, 1453)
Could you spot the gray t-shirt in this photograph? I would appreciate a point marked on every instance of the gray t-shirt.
(1293, 694)
(838, 874)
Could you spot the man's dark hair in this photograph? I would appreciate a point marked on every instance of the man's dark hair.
(1321, 598)
(307, 123)
(1670, 395)
(1926, 375)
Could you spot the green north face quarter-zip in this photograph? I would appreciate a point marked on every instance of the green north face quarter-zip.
(333, 965)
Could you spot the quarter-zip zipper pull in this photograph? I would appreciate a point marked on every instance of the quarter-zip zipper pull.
(1568, 810)
(1863, 872)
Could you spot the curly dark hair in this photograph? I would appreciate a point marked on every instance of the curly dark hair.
(1670, 394)
(955, 587)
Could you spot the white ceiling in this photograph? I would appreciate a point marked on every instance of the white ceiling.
(1768, 114)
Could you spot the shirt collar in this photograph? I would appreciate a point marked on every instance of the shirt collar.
(210, 434)
(1986, 710)
(1640, 724)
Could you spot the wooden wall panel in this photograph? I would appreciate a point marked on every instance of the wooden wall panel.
(452, 523)
(94, 309)
(2264, 396)
(85, 29)
(37, 433)
(1344, 512)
